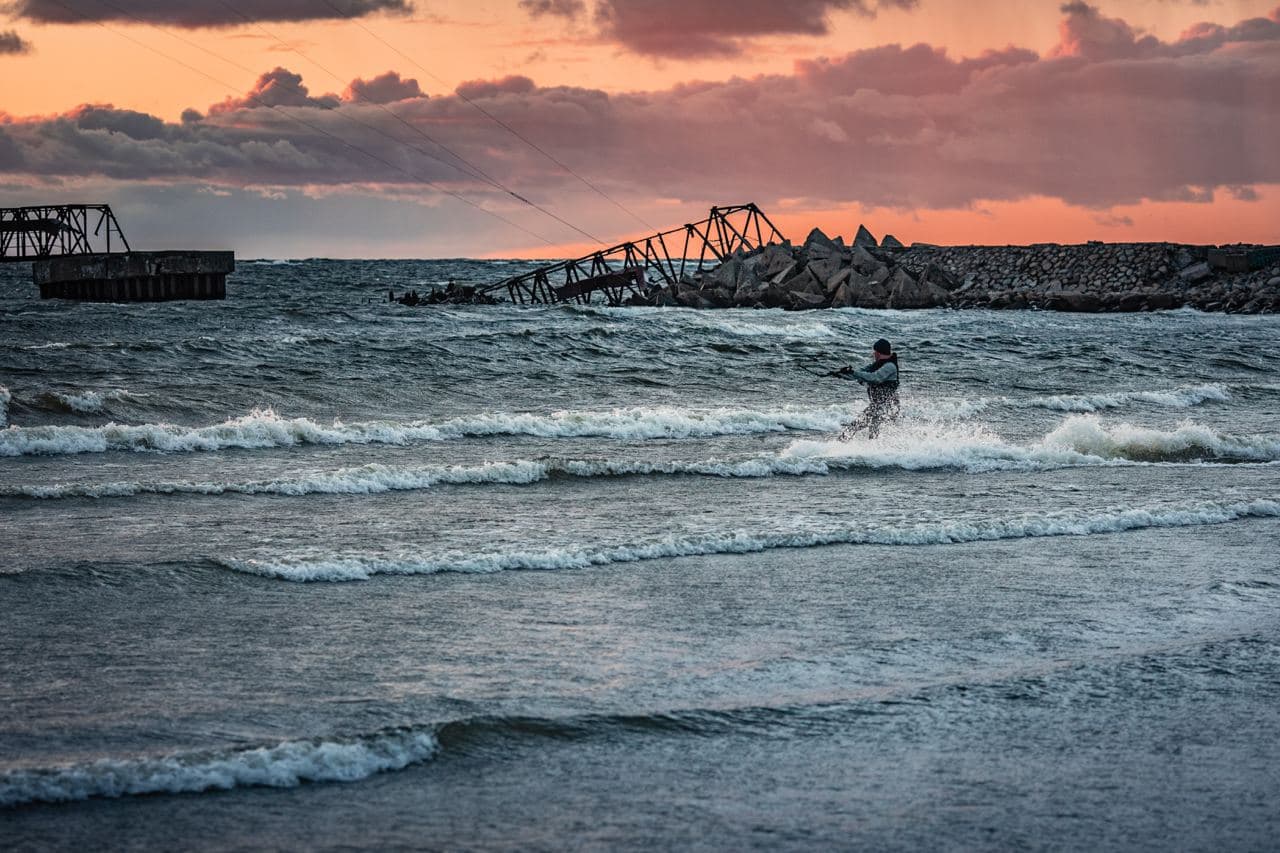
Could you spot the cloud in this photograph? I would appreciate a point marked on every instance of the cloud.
(279, 87)
(516, 84)
(198, 13)
(695, 29)
(906, 127)
(569, 9)
(384, 89)
(12, 44)
(1086, 33)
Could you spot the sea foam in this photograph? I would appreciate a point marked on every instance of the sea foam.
(1181, 398)
(263, 428)
(352, 567)
(1078, 441)
(284, 765)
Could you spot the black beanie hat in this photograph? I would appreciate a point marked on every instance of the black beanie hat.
(882, 346)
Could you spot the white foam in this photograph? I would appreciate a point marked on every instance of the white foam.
(352, 567)
(5, 398)
(1088, 435)
(89, 402)
(1078, 440)
(263, 428)
(377, 478)
(794, 331)
(285, 765)
(1182, 398)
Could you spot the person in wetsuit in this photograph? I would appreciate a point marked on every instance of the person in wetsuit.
(881, 379)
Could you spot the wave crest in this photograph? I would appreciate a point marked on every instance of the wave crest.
(353, 567)
(263, 428)
(284, 765)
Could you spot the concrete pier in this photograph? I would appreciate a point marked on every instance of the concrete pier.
(135, 276)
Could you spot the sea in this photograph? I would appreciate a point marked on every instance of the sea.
(308, 569)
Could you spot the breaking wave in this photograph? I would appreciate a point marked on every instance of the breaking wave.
(354, 567)
(86, 402)
(284, 765)
(1180, 398)
(5, 398)
(1078, 441)
(377, 478)
(263, 428)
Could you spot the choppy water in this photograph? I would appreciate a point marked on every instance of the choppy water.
(306, 569)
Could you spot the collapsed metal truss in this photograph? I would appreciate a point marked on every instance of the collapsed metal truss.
(31, 233)
(632, 267)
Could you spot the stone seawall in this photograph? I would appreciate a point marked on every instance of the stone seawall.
(1107, 276)
(827, 273)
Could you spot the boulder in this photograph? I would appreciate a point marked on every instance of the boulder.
(1131, 301)
(907, 292)
(1162, 302)
(665, 299)
(941, 277)
(865, 238)
(824, 268)
(720, 297)
(836, 281)
(726, 275)
(891, 242)
(1196, 272)
(869, 292)
(804, 282)
(862, 260)
(787, 272)
(1074, 300)
(750, 290)
(819, 245)
(807, 301)
(843, 297)
(773, 260)
(692, 297)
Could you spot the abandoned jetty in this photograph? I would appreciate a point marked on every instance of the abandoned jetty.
(79, 252)
(737, 258)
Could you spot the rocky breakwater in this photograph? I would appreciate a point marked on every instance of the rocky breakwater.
(826, 273)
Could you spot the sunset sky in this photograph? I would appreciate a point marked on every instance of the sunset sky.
(288, 128)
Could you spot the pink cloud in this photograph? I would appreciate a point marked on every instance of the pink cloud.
(384, 89)
(694, 29)
(279, 87)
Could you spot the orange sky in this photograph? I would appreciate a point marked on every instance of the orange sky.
(457, 40)
(460, 40)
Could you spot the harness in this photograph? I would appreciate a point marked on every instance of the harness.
(883, 393)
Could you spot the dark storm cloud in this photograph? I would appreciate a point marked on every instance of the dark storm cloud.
(197, 13)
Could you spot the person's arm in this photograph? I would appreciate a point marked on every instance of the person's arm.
(886, 372)
(846, 373)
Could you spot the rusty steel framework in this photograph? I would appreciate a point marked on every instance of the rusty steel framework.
(630, 268)
(45, 231)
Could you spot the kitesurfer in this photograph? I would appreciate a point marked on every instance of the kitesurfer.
(881, 379)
